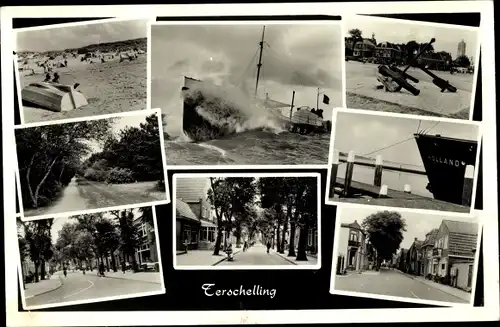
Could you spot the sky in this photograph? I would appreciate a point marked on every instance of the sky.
(60, 38)
(59, 222)
(121, 123)
(417, 224)
(298, 57)
(365, 133)
(398, 31)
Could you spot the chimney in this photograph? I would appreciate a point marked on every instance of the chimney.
(415, 238)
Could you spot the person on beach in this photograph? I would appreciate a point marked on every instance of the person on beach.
(56, 78)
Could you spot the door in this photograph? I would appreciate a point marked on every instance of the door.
(469, 277)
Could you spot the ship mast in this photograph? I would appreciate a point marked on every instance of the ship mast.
(259, 64)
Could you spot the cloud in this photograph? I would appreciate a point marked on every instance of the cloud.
(60, 38)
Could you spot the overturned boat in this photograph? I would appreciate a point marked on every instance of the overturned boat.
(53, 96)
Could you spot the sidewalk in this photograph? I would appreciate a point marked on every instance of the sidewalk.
(202, 257)
(42, 287)
(147, 277)
(443, 288)
(311, 260)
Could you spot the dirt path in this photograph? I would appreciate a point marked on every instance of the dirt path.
(85, 195)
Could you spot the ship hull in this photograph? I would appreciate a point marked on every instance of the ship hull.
(445, 161)
(200, 129)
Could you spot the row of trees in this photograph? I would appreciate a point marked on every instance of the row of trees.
(83, 239)
(49, 157)
(408, 50)
(135, 154)
(269, 206)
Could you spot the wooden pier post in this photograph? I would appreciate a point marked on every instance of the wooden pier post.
(377, 179)
(333, 172)
(407, 188)
(468, 185)
(383, 191)
(348, 173)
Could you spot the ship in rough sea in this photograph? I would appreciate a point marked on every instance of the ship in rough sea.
(200, 96)
(445, 160)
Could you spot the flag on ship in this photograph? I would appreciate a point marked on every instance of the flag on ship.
(326, 99)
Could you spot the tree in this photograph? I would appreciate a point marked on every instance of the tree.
(107, 240)
(273, 194)
(23, 246)
(462, 61)
(385, 232)
(38, 238)
(307, 204)
(47, 156)
(129, 235)
(229, 196)
(355, 35)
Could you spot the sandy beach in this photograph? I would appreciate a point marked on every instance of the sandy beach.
(362, 93)
(110, 87)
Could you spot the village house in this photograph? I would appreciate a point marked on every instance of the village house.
(454, 253)
(401, 260)
(147, 251)
(195, 222)
(415, 264)
(427, 247)
(364, 48)
(351, 248)
(387, 53)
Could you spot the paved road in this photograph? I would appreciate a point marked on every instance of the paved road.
(392, 283)
(84, 195)
(78, 287)
(256, 256)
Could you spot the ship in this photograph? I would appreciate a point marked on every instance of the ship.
(198, 95)
(445, 160)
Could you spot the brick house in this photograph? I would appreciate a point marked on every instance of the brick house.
(352, 251)
(427, 247)
(415, 263)
(364, 49)
(454, 253)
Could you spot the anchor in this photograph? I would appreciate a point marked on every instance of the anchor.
(394, 79)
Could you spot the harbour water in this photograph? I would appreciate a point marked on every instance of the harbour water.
(393, 179)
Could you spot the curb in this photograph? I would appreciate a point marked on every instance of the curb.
(225, 258)
(135, 280)
(286, 258)
(414, 278)
(45, 292)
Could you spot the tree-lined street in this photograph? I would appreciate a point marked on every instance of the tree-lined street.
(391, 282)
(257, 256)
(77, 287)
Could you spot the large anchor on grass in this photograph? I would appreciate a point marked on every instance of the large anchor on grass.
(395, 79)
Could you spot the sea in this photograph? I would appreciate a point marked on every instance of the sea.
(251, 147)
(393, 179)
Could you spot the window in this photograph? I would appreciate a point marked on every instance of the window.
(143, 229)
(443, 266)
(353, 236)
(445, 245)
(194, 236)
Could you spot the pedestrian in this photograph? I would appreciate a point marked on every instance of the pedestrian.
(101, 269)
(245, 246)
(268, 246)
(65, 272)
(47, 78)
(123, 266)
(186, 245)
(56, 78)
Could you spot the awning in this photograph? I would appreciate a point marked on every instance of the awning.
(205, 223)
